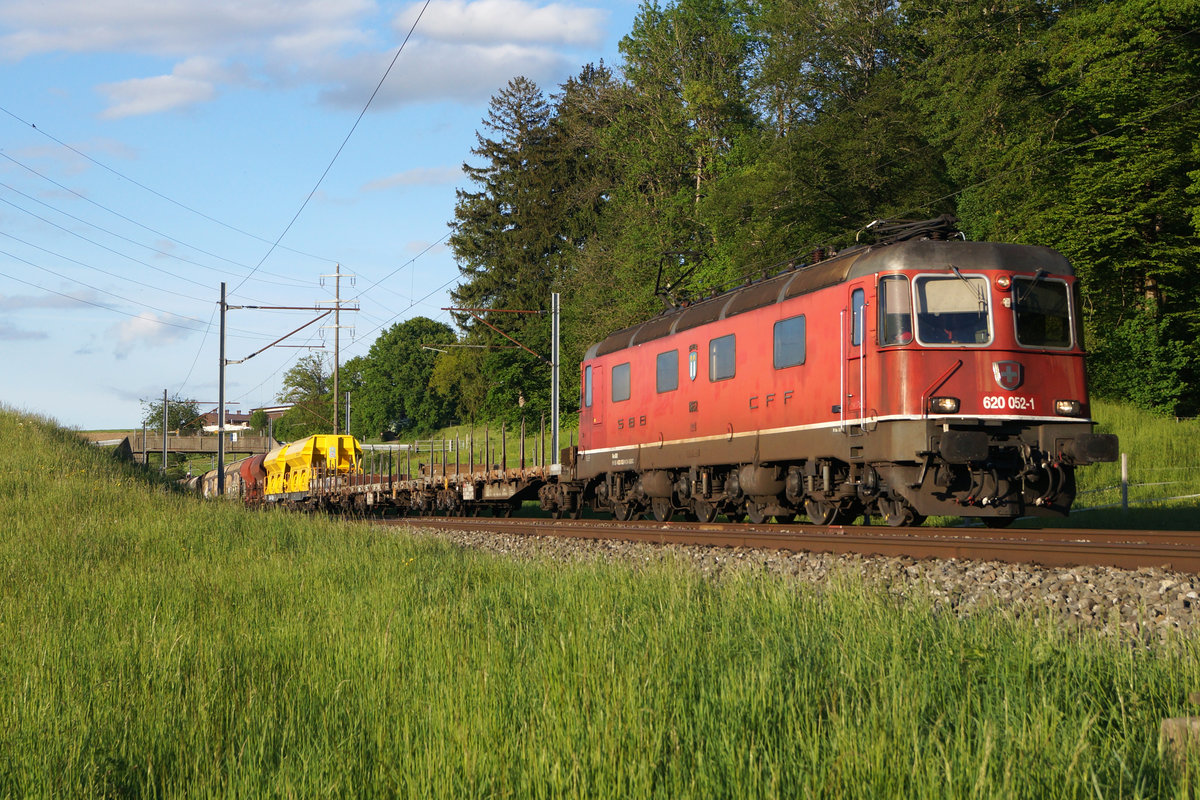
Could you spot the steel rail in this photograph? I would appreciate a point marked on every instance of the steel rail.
(1176, 550)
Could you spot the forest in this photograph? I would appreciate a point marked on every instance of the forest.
(739, 136)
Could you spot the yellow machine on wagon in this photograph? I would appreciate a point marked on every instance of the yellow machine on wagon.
(310, 466)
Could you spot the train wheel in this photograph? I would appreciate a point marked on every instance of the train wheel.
(704, 510)
(997, 522)
(472, 510)
(661, 508)
(819, 512)
(622, 512)
(756, 512)
(895, 512)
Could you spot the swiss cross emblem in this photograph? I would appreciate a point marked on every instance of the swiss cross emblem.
(1009, 374)
(693, 363)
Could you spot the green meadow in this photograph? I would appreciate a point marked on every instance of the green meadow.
(154, 645)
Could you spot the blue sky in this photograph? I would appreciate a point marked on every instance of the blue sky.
(151, 149)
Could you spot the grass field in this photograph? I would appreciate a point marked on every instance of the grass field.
(152, 645)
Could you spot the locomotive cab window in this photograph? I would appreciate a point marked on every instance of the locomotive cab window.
(895, 310)
(721, 358)
(789, 342)
(587, 386)
(620, 382)
(667, 371)
(953, 310)
(1043, 314)
(858, 300)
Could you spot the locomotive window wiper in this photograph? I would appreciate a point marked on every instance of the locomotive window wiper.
(1037, 276)
(974, 289)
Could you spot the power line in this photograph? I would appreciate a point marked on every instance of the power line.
(130, 220)
(155, 192)
(115, 235)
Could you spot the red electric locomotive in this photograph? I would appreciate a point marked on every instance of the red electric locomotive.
(924, 376)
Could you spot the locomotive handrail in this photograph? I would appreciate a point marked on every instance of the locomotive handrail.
(937, 384)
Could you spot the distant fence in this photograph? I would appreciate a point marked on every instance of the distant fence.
(140, 444)
(1188, 477)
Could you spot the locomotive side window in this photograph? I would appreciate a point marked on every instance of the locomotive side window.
(895, 310)
(587, 386)
(620, 382)
(789, 342)
(858, 299)
(1043, 313)
(952, 310)
(721, 358)
(667, 371)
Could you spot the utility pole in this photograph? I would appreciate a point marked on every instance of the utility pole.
(221, 404)
(337, 330)
(554, 359)
(164, 464)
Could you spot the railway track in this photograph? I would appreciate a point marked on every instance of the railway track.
(1175, 550)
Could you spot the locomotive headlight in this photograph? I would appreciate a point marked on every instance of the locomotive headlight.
(943, 405)
(1068, 408)
(1003, 282)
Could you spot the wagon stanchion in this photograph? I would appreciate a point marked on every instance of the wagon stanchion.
(503, 448)
(1124, 483)
(542, 460)
(522, 442)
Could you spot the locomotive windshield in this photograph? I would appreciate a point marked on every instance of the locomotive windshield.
(1042, 311)
(952, 310)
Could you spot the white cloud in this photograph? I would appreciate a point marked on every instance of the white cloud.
(461, 50)
(506, 21)
(11, 333)
(423, 176)
(71, 301)
(153, 330)
(162, 27)
(432, 71)
(139, 96)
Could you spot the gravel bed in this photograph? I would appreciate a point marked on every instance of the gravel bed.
(1147, 604)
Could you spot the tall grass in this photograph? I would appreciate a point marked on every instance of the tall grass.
(154, 645)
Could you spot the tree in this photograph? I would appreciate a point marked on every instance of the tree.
(308, 387)
(1075, 126)
(259, 421)
(396, 393)
(508, 240)
(183, 416)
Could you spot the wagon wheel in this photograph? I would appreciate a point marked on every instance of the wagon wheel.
(704, 510)
(661, 508)
(505, 510)
(898, 513)
(893, 512)
(998, 522)
(558, 512)
(622, 512)
(472, 510)
(756, 512)
(819, 512)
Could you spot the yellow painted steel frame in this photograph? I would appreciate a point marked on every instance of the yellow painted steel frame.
(290, 468)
